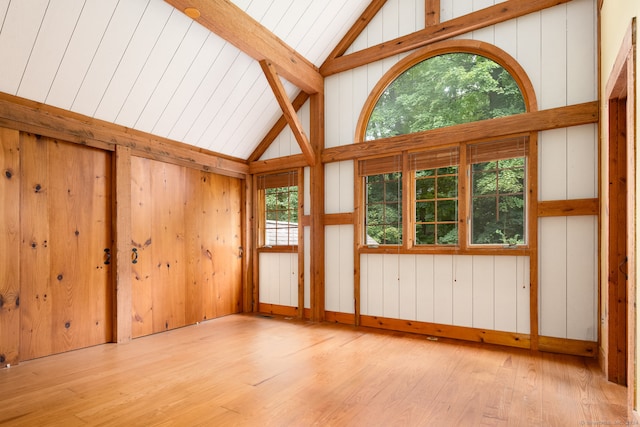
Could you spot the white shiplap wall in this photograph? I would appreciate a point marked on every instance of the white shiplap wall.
(278, 278)
(488, 292)
(557, 49)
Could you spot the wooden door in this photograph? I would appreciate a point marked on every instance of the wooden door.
(186, 232)
(66, 293)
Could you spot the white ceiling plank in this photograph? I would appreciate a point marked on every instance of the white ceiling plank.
(178, 68)
(277, 12)
(4, 7)
(108, 55)
(19, 31)
(218, 99)
(53, 38)
(86, 37)
(161, 56)
(267, 112)
(137, 53)
(228, 118)
(189, 84)
(201, 97)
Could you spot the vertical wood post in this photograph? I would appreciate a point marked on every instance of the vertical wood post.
(122, 241)
(317, 209)
(249, 252)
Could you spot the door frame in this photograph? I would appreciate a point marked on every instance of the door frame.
(619, 130)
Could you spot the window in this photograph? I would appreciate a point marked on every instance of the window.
(278, 202)
(498, 189)
(383, 201)
(444, 90)
(457, 195)
(494, 207)
(435, 175)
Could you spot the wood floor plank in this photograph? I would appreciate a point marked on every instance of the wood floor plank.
(252, 370)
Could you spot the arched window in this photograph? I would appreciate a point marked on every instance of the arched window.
(444, 90)
(456, 195)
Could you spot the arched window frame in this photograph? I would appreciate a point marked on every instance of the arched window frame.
(408, 204)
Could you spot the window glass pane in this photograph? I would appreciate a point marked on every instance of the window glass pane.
(281, 216)
(436, 208)
(425, 211)
(448, 234)
(425, 234)
(448, 186)
(425, 188)
(444, 90)
(383, 221)
(447, 210)
(498, 202)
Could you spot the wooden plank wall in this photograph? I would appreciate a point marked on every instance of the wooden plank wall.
(188, 237)
(65, 287)
(9, 247)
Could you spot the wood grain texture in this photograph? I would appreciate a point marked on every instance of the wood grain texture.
(29, 116)
(569, 207)
(235, 26)
(66, 282)
(483, 18)
(358, 376)
(10, 247)
(477, 131)
(187, 231)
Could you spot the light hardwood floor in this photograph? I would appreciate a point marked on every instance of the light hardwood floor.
(253, 370)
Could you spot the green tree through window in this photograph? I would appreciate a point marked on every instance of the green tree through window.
(445, 90)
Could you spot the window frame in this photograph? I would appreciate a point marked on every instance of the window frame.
(281, 179)
(465, 159)
(455, 135)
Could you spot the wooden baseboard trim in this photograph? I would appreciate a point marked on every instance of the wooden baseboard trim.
(280, 310)
(448, 331)
(336, 317)
(567, 346)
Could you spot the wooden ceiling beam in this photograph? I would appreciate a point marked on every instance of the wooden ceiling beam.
(40, 119)
(357, 28)
(288, 111)
(231, 23)
(483, 18)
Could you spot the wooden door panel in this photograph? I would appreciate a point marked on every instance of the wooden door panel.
(191, 269)
(66, 227)
(167, 248)
(9, 247)
(141, 208)
(36, 299)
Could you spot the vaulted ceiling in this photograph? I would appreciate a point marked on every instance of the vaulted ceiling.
(145, 65)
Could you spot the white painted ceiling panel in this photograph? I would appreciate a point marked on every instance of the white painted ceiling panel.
(161, 56)
(108, 55)
(180, 64)
(134, 59)
(189, 84)
(145, 65)
(20, 29)
(88, 33)
(219, 100)
(44, 60)
(212, 80)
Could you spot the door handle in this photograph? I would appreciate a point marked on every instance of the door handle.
(622, 264)
(134, 256)
(107, 256)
